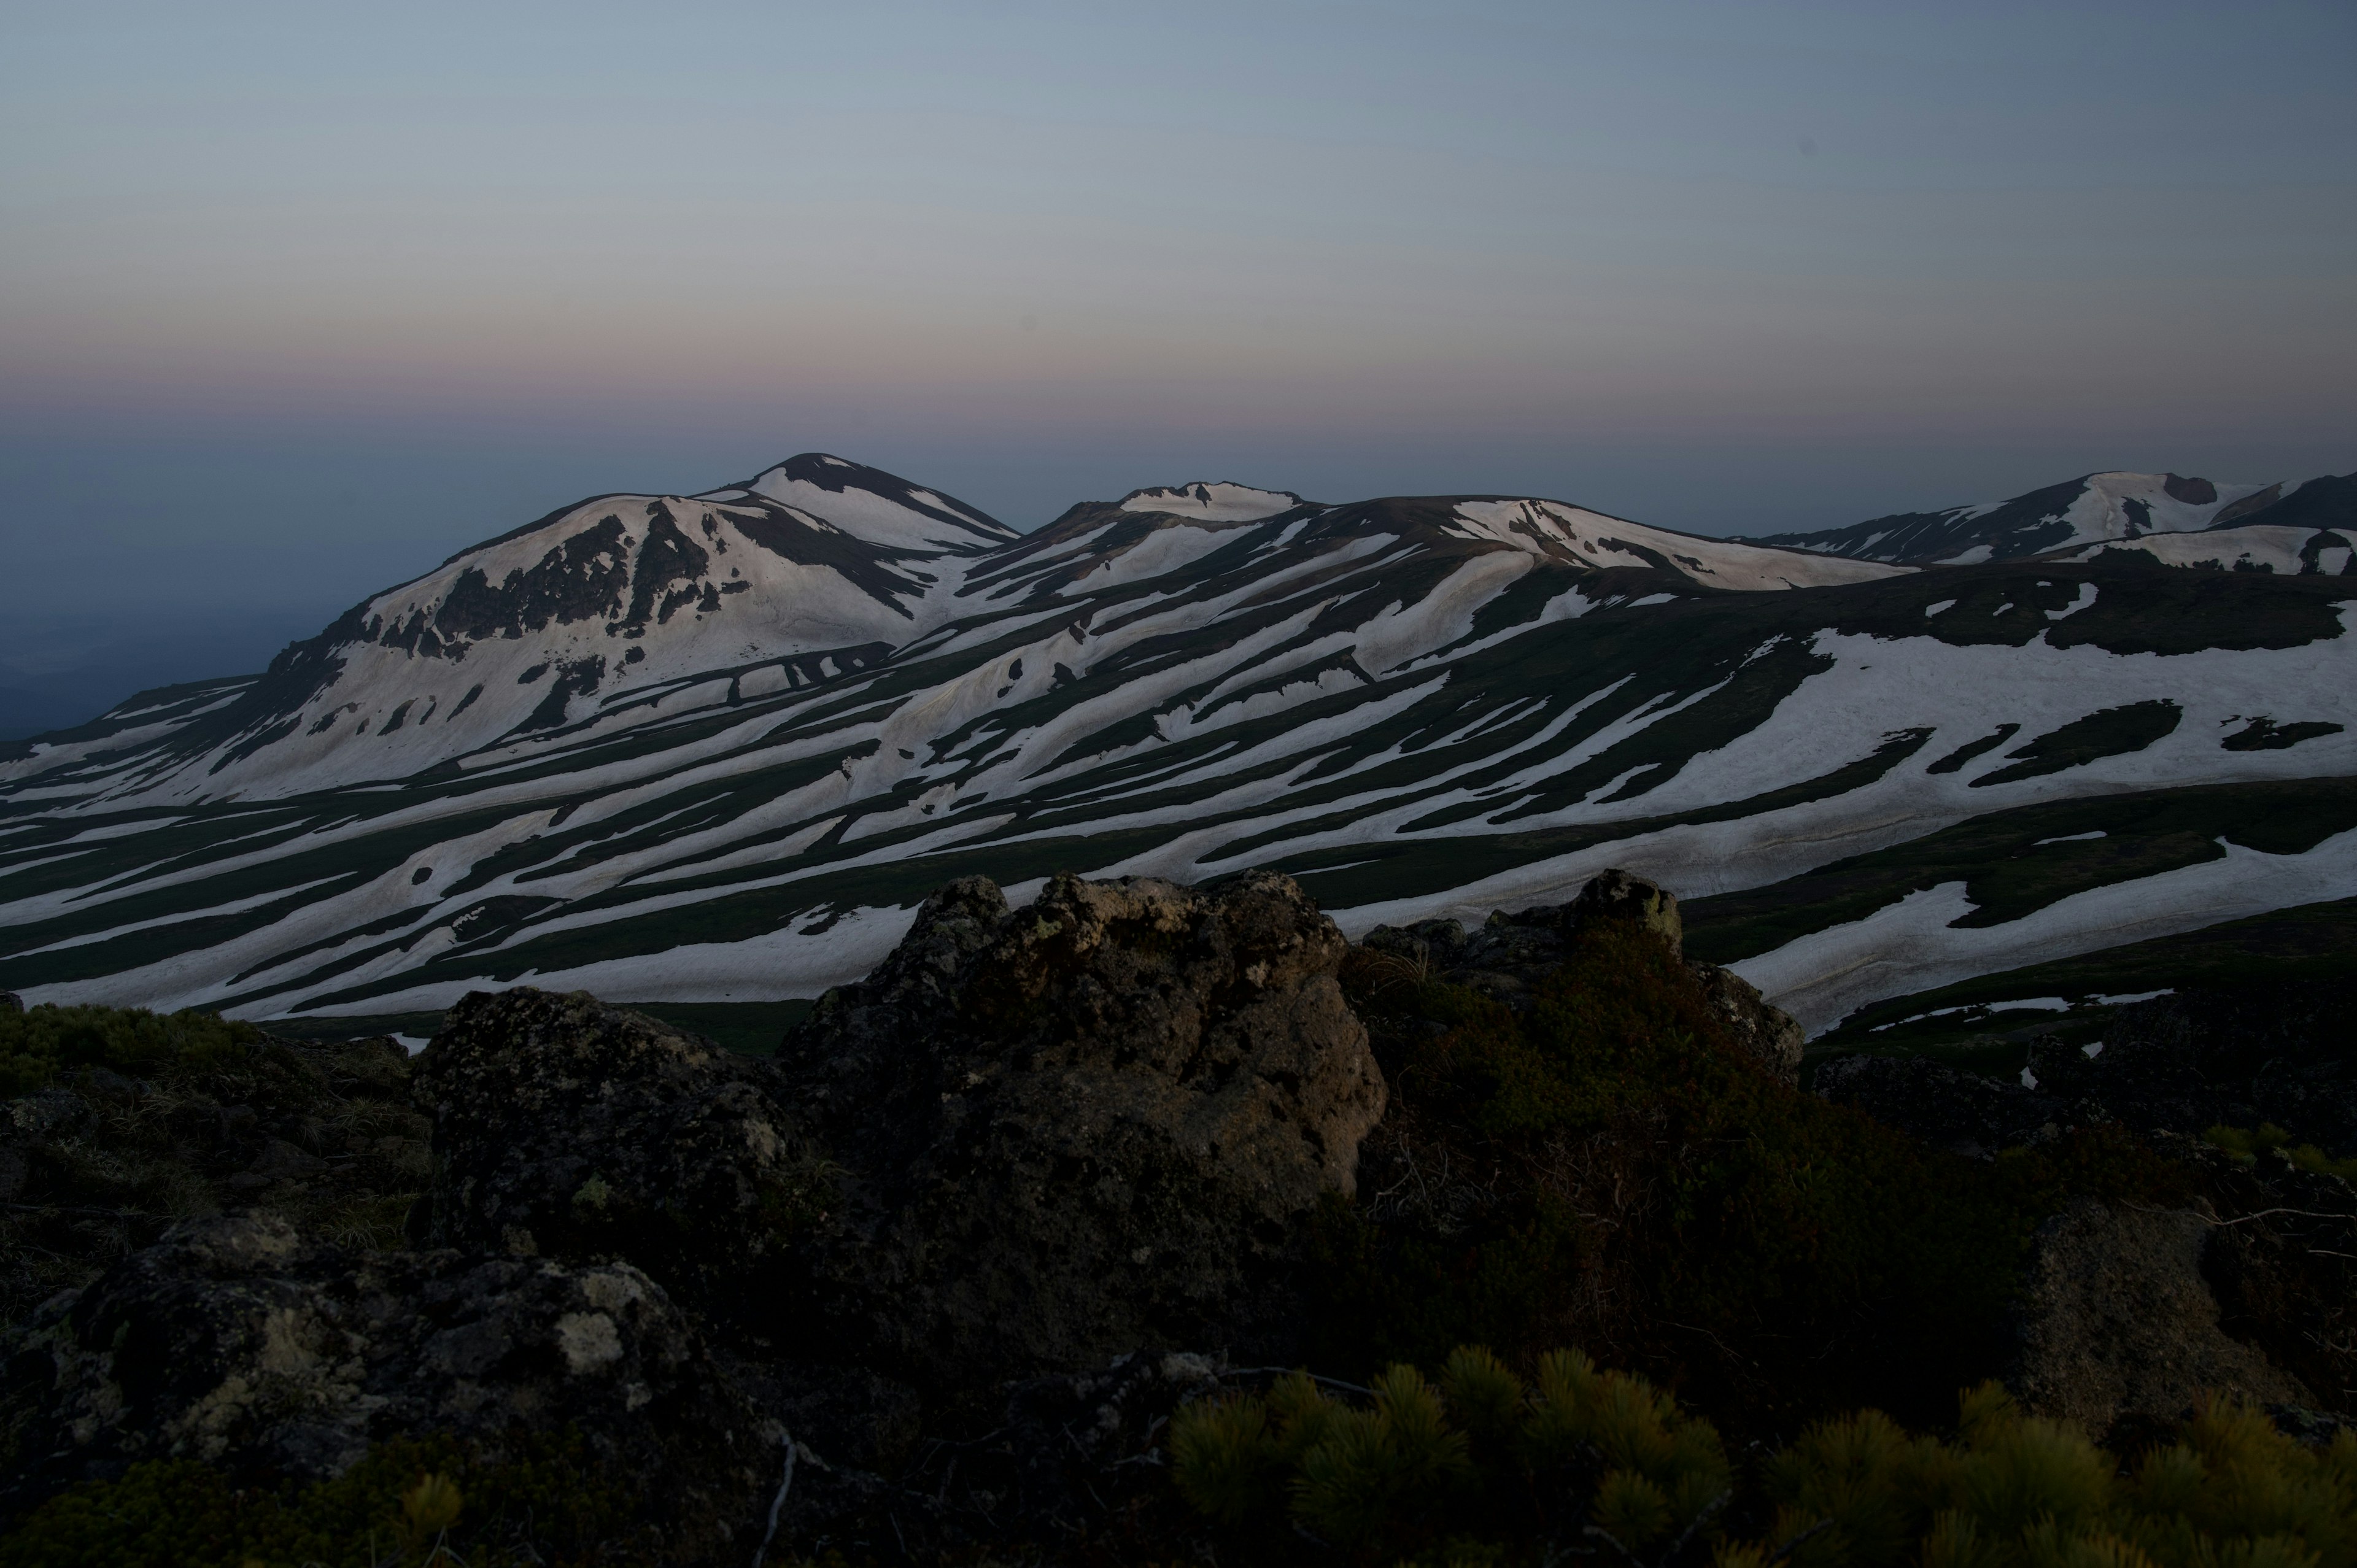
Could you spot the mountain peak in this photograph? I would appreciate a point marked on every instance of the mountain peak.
(880, 507)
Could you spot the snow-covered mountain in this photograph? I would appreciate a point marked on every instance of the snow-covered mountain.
(2093, 510)
(717, 746)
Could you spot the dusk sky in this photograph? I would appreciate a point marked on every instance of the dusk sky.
(296, 300)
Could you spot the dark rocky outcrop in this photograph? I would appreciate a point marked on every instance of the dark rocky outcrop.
(11, 1003)
(2118, 1325)
(569, 1129)
(953, 1258)
(235, 1342)
(1083, 1128)
(1510, 954)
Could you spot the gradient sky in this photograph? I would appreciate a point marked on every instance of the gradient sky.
(295, 300)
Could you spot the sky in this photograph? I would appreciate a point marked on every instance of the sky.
(298, 300)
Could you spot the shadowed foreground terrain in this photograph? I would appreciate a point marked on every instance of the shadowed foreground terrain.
(1147, 1223)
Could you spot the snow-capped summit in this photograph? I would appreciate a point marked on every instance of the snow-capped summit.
(1219, 501)
(872, 505)
(815, 566)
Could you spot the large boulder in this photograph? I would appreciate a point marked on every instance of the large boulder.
(1085, 1127)
(236, 1343)
(567, 1128)
(2117, 1324)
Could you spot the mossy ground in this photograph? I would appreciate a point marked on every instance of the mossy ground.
(122, 1122)
(414, 1502)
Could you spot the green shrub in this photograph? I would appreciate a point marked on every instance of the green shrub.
(39, 1044)
(172, 1109)
(410, 1501)
(1602, 1464)
(2247, 1147)
(1421, 1463)
(2017, 1492)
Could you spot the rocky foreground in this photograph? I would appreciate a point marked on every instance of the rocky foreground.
(933, 1282)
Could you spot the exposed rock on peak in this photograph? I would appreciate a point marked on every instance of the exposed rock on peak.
(1178, 1062)
(1222, 501)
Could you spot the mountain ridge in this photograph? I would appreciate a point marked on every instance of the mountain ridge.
(1417, 705)
(2092, 509)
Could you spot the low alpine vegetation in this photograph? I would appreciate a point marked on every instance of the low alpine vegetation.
(1476, 1466)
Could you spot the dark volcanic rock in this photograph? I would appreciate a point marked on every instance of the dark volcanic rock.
(567, 1128)
(2118, 1323)
(1511, 954)
(1083, 1128)
(235, 1343)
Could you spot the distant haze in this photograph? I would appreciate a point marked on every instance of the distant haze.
(296, 300)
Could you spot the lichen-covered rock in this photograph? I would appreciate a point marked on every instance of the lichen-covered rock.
(235, 1343)
(1618, 895)
(567, 1128)
(2118, 1324)
(1085, 1127)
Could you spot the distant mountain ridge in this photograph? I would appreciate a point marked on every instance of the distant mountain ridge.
(2095, 509)
(717, 746)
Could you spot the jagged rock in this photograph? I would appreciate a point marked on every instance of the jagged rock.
(1618, 896)
(569, 1129)
(1083, 1128)
(2118, 1325)
(1765, 1030)
(235, 1343)
(1511, 954)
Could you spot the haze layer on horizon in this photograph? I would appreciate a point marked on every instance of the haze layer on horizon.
(299, 299)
